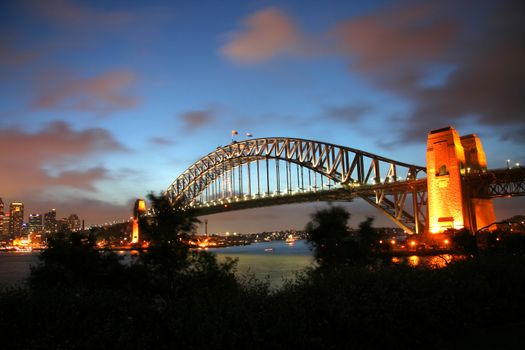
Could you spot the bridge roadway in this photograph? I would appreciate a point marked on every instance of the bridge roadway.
(497, 183)
(344, 193)
(491, 184)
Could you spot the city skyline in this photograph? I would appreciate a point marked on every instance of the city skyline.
(104, 102)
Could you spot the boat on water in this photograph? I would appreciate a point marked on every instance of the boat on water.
(269, 249)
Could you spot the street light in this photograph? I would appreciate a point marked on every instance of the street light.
(517, 165)
(508, 163)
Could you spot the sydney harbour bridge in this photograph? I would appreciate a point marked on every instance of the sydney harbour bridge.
(453, 190)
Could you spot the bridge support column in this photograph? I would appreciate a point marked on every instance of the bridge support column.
(138, 209)
(450, 203)
(479, 211)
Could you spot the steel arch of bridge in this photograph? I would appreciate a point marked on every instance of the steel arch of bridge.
(394, 187)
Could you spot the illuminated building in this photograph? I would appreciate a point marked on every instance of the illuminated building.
(50, 221)
(35, 223)
(62, 225)
(73, 223)
(2, 218)
(16, 212)
(5, 226)
(449, 159)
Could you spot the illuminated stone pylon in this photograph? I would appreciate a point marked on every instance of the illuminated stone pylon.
(450, 204)
(479, 212)
(138, 209)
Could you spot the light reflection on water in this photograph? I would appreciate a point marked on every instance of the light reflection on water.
(274, 261)
(432, 261)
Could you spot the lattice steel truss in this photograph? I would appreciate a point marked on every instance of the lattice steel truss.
(231, 178)
(497, 183)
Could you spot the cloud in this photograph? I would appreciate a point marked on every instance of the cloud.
(266, 34)
(481, 47)
(103, 93)
(454, 63)
(350, 113)
(14, 56)
(91, 210)
(81, 179)
(24, 165)
(395, 36)
(160, 141)
(71, 13)
(197, 119)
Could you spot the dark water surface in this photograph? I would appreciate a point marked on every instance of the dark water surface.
(14, 267)
(275, 261)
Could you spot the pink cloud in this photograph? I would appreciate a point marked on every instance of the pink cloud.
(23, 165)
(68, 12)
(196, 119)
(94, 212)
(81, 179)
(396, 35)
(474, 50)
(161, 141)
(14, 56)
(480, 42)
(267, 33)
(102, 93)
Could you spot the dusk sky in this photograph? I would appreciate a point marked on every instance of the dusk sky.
(104, 101)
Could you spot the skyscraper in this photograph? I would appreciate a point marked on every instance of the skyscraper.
(2, 219)
(16, 211)
(4, 233)
(73, 223)
(35, 223)
(50, 221)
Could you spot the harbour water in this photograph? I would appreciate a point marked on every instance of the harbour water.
(14, 266)
(274, 261)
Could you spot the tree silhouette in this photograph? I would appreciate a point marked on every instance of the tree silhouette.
(334, 246)
(371, 250)
(329, 236)
(71, 261)
(169, 261)
(169, 222)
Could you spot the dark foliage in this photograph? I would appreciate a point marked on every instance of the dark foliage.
(465, 241)
(170, 221)
(329, 236)
(333, 245)
(72, 261)
(351, 307)
(80, 298)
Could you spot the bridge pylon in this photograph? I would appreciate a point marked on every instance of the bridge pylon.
(138, 209)
(451, 203)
